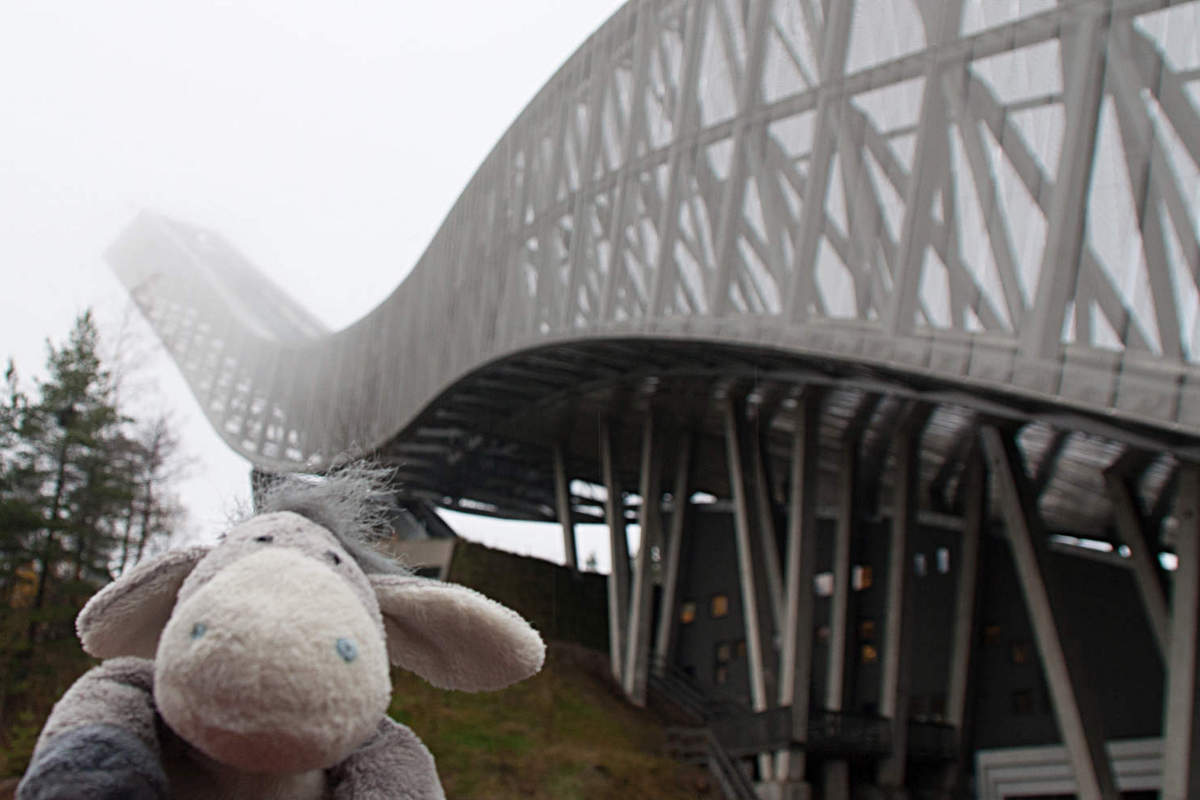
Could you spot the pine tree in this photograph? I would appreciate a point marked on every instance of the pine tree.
(84, 492)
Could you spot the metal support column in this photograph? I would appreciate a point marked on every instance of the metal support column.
(664, 642)
(1181, 718)
(1131, 528)
(765, 517)
(562, 498)
(746, 561)
(618, 576)
(795, 654)
(1075, 706)
(637, 655)
(1083, 67)
(897, 632)
(837, 771)
(966, 609)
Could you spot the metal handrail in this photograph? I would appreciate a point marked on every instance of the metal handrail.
(701, 745)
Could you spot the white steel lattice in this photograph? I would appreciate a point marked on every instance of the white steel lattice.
(996, 195)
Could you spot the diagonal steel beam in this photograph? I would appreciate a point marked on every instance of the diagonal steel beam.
(1075, 706)
(1083, 81)
(1181, 723)
(834, 45)
(1133, 530)
(733, 198)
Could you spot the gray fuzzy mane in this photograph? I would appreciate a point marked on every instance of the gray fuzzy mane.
(352, 503)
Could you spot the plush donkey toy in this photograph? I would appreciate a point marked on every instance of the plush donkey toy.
(258, 668)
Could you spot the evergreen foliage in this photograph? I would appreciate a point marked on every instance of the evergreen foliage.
(84, 493)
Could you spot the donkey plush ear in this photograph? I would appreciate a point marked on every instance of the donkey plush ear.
(454, 637)
(126, 617)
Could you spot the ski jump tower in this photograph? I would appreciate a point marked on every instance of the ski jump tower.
(880, 317)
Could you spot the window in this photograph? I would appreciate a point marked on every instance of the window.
(1022, 702)
(869, 654)
(823, 584)
(721, 677)
(860, 577)
(741, 648)
(943, 560)
(866, 630)
(724, 653)
(719, 606)
(991, 633)
(823, 633)
(920, 566)
(687, 612)
(937, 706)
(1021, 653)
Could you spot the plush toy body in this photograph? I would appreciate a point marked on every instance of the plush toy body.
(259, 668)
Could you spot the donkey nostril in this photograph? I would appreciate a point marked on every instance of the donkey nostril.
(199, 630)
(347, 650)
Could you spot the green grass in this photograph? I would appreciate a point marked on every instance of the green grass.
(565, 733)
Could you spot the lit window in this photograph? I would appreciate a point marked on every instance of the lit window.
(866, 630)
(823, 584)
(1022, 702)
(943, 560)
(719, 607)
(687, 612)
(724, 653)
(869, 654)
(919, 565)
(741, 648)
(860, 577)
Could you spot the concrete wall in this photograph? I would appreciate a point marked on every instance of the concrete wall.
(561, 605)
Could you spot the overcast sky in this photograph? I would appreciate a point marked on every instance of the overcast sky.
(325, 141)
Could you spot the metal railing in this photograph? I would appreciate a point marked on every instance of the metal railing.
(744, 732)
(701, 746)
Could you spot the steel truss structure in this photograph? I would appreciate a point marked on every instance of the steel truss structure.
(857, 244)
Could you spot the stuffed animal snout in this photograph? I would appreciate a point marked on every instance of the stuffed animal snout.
(274, 665)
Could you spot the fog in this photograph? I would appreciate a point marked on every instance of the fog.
(325, 142)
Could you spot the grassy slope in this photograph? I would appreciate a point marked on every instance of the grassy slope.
(565, 733)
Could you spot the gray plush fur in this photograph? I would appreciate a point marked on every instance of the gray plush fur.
(97, 762)
(352, 504)
(269, 669)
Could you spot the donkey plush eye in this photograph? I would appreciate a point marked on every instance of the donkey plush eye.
(334, 557)
(266, 539)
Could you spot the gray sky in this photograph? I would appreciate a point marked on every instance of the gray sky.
(325, 141)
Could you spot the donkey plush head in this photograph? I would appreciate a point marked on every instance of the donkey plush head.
(271, 648)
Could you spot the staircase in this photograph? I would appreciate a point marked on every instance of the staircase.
(700, 746)
(721, 733)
